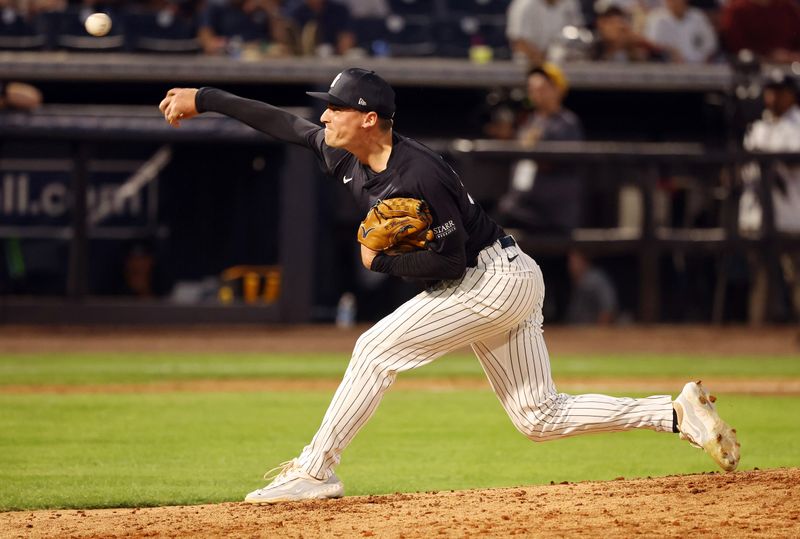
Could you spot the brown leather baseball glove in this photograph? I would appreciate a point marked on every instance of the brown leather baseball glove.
(396, 225)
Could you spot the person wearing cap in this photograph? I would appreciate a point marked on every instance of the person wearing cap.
(615, 38)
(482, 289)
(777, 131)
(544, 197)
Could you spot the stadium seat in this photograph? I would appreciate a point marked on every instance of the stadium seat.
(410, 36)
(371, 35)
(477, 7)
(17, 33)
(456, 36)
(413, 7)
(155, 32)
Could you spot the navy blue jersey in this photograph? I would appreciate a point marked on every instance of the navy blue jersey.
(461, 227)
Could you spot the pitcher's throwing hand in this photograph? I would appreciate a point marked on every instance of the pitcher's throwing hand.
(178, 105)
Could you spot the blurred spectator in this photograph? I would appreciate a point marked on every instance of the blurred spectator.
(370, 19)
(573, 45)
(367, 9)
(244, 27)
(164, 26)
(593, 299)
(683, 32)
(636, 10)
(17, 27)
(138, 269)
(544, 197)
(533, 25)
(325, 27)
(770, 28)
(615, 39)
(18, 95)
(777, 131)
(711, 9)
(501, 112)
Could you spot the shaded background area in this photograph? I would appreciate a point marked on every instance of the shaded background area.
(226, 200)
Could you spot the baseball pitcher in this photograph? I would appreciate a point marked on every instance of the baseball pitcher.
(482, 289)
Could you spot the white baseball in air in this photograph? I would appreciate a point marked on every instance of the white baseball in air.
(98, 24)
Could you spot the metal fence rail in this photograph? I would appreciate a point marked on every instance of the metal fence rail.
(423, 72)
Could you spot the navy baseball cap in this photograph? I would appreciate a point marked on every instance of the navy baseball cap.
(362, 90)
(778, 78)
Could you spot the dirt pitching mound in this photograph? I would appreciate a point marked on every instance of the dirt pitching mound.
(743, 504)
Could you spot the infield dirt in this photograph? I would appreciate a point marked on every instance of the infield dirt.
(719, 341)
(742, 504)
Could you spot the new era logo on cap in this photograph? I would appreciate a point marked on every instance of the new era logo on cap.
(362, 90)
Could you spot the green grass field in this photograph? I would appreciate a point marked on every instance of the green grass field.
(82, 450)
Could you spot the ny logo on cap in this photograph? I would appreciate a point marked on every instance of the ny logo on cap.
(362, 102)
(336, 79)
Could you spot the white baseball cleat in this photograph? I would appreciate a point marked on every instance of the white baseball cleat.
(700, 424)
(292, 483)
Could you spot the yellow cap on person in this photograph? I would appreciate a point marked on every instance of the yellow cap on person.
(553, 74)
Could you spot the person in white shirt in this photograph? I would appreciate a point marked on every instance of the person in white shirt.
(684, 32)
(777, 131)
(532, 25)
(367, 9)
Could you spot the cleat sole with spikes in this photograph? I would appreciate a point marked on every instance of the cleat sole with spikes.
(702, 426)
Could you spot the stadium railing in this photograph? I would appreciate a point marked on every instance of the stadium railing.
(651, 239)
(430, 72)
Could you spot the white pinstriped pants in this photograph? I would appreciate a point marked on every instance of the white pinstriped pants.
(496, 307)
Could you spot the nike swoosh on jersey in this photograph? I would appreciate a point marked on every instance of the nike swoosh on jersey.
(511, 258)
(365, 232)
(347, 180)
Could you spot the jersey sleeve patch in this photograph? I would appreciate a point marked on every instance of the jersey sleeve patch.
(444, 229)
